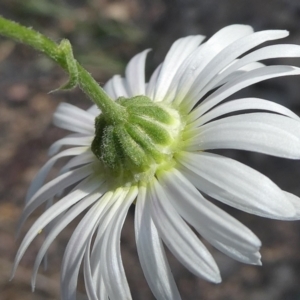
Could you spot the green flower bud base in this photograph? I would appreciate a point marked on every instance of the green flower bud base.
(134, 147)
(135, 138)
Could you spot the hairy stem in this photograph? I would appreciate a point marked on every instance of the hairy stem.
(62, 54)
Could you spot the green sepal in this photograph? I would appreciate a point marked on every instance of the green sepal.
(102, 144)
(143, 106)
(157, 132)
(145, 141)
(133, 147)
(112, 154)
(135, 101)
(133, 151)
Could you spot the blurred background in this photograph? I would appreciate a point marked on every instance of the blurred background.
(105, 35)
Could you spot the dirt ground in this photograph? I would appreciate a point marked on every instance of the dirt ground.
(105, 34)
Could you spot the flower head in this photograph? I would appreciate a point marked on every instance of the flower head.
(155, 154)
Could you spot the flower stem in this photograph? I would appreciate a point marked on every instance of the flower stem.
(63, 55)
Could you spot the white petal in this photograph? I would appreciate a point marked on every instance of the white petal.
(88, 279)
(237, 185)
(94, 281)
(72, 139)
(193, 66)
(119, 87)
(151, 252)
(218, 227)
(75, 250)
(179, 238)
(239, 83)
(55, 210)
(233, 75)
(108, 88)
(72, 118)
(94, 110)
(135, 74)
(151, 86)
(274, 51)
(48, 228)
(82, 159)
(243, 104)
(119, 194)
(179, 51)
(224, 58)
(113, 271)
(295, 200)
(246, 258)
(51, 188)
(102, 293)
(69, 216)
(106, 216)
(44, 171)
(261, 132)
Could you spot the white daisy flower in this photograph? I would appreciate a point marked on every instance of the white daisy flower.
(156, 157)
